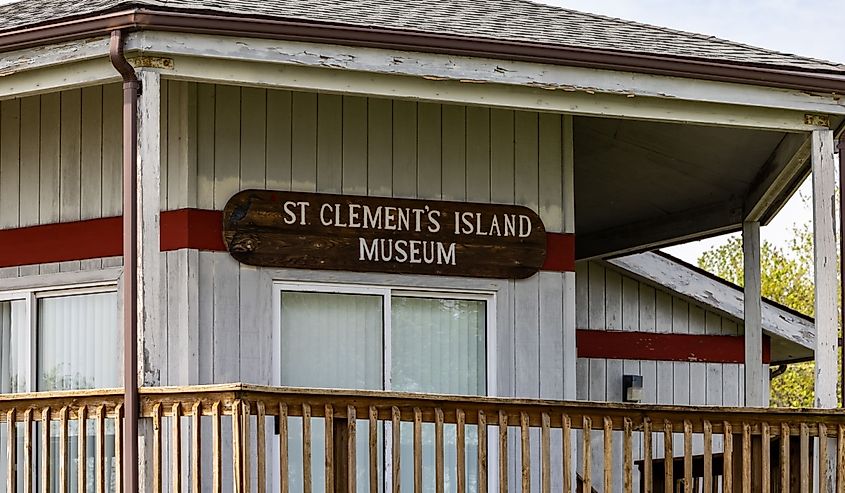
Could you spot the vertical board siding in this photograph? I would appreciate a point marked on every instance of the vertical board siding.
(343, 144)
(607, 299)
(60, 160)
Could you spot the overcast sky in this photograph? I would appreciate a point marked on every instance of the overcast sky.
(806, 28)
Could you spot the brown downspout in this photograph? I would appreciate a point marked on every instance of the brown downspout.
(131, 90)
(842, 266)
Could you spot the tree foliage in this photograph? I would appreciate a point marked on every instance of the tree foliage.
(786, 278)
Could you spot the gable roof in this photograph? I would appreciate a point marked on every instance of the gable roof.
(793, 333)
(509, 21)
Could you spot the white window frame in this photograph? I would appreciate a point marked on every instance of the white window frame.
(387, 292)
(30, 296)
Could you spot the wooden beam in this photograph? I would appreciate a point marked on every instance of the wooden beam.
(481, 70)
(777, 177)
(40, 57)
(755, 380)
(824, 250)
(57, 77)
(437, 89)
(660, 231)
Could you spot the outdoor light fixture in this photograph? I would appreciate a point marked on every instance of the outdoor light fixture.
(632, 388)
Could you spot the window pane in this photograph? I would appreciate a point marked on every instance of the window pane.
(439, 346)
(332, 340)
(79, 342)
(13, 346)
(329, 340)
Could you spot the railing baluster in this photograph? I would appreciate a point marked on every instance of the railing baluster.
(328, 436)
(63, 445)
(237, 453)
(246, 468)
(283, 448)
(157, 464)
(351, 450)
(176, 448)
(566, 444)
(746, 458)
(395, 435)
(648, 456)
(373, 452)
(668, 458)
(482, 452)
(608, 454)
(306, 448)
(81, 455)
(11, 451)
(805, 457)
(687, 456)
(196, 447)
(118, 447)
(784, 458)
(587, 453)
(27, 455)
(765, 460)
(217, 450)
(545, 453)
(100, 473)
(460, 448)
(727, 458)
(46, 477)
(418, 450)
(822, 458)
(261, 447)
(627, 459)
(708, 457)
(840, 441)
(438, 451)
(503, 452)
(525, 442)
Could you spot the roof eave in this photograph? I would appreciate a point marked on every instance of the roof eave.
(163, 20)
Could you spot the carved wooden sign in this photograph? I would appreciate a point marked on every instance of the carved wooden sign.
(375, 234)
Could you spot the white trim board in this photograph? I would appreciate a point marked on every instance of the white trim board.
(424, 76)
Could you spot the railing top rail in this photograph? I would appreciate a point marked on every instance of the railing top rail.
(406, 400)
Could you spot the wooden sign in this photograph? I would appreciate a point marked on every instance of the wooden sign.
(375, 234)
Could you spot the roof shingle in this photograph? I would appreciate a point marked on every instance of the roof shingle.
(507, 20)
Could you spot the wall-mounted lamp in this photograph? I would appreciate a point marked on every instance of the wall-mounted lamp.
(632, 388)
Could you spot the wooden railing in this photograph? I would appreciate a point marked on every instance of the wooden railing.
(246, 438)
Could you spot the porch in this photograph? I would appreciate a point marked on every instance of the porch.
(190, 442)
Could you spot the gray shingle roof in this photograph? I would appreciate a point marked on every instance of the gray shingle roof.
(510, 20)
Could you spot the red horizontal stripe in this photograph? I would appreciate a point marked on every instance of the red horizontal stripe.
(79, 240)
(560, 252)
(197, 229)
(665, 347)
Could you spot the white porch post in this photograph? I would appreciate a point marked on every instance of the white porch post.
(824, 252)
(824, 249)
(755, 381)
(150, 349)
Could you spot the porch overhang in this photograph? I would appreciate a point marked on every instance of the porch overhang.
(698, 156)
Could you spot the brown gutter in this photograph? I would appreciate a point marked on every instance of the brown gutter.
(131, 90)
(147, 19)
